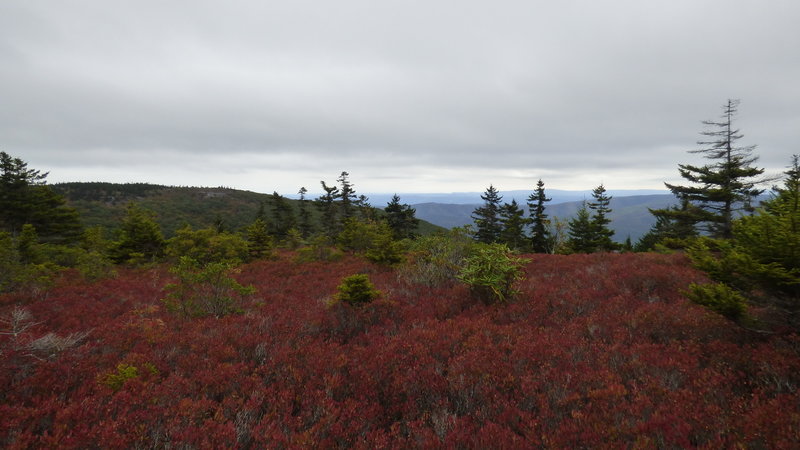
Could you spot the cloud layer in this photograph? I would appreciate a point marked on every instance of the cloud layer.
(405, 95)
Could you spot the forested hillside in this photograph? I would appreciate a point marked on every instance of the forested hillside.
(103, 204)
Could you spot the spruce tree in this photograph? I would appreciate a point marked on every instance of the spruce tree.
(400, 218)
(582, 238)
(487, 217)
(305, 223)
(723, 187)
(512, 219)
(140, 238)
(25, 198)
(601, 233)
(347, 197)
(328, 207)
(259, 241)
(540, 234)
(772, 236)
(282, 216)
(673, 226)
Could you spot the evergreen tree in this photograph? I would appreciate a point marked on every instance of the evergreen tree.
(512, 219)
(259, 241)
(140, 238)
(582, 237)
(347, 196)
(723, 187)
(26, 199)
(540, 233)
(305, 224)
(365, 210)
(601, 233)
(772, 237)
(673, 226)
(282, 216)
(400, 218)
(261, 213)
(487, 217)
(328, 207)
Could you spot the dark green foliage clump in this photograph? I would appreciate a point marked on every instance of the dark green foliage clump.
(400, 218)
(26, 199)
(356, 290)
(719, 298)
(541, 241)
(487, 217)
(140, 238)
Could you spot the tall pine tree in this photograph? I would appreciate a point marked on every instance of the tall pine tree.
(540, 233)
(348, 199)
(723, 187)
(600, 220)
(328, 207)
(282, 216)
(304, 214)
(487, 217)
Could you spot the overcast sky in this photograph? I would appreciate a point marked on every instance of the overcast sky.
(406, 95)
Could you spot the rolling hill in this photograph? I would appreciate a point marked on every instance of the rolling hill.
(103, 204)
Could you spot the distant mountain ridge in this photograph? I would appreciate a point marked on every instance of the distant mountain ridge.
(521, 196)
(630, 216)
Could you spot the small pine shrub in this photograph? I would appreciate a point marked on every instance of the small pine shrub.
(435, 260)
(203, 290)
(491, 273)
(319, 249)
(719, 298)
(115, 380)
(356, 290)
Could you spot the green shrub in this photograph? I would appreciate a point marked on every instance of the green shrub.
(374, 239)
(385, 249)
(115, 380)
(719, 298)
(356, 290)
(319, 249)
(491, 273)
(207, 245)
(435, 260)
(294, 239)
(205, 289)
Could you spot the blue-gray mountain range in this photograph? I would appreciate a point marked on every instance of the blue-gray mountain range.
(630, 216)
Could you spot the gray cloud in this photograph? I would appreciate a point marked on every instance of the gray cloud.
(406, 95)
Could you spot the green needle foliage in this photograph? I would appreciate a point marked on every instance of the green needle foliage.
(207, 289)
(491, 273)
(356, 290)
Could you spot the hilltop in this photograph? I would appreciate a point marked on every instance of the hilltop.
(103, 204)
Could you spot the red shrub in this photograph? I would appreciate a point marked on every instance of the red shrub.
(597, 350)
